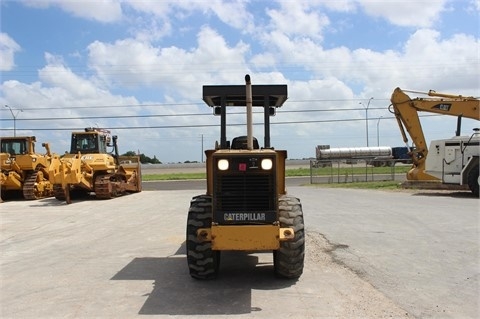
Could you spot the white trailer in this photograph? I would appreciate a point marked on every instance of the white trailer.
(456, 160)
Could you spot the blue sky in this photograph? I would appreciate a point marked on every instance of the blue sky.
(138, 67)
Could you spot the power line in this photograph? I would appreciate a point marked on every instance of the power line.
(173, 105)
(183, 126)
(204, 125)
(177, 115)
(108, 106)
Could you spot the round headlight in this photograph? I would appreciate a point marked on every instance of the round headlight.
(222, 164)
(267, 164)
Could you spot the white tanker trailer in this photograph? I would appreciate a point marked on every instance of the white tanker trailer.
(376, 156)
(353, 152)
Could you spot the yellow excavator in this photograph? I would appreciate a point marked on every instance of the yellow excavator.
(452, 161)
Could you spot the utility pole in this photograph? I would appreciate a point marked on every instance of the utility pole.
(378, 130)
(202, 149)
(14, 115)
(366, 115)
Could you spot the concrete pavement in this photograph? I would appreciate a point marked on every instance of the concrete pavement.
(420, 248)
(125, 257)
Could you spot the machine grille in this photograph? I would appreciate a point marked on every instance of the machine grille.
(245, 193)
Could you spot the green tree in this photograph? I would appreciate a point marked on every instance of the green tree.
(130, 153)
(143, 158)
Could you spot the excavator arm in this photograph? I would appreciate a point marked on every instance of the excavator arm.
(407, 110)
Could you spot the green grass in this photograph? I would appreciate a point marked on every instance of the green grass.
(297, 172)
(384, 185)
(288, 173)
(173, 177)
(345, 171)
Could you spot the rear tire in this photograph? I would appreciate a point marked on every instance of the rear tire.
(289, 259)
(203, 262)
(474, 181)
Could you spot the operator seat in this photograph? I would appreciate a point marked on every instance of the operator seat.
(240, 143)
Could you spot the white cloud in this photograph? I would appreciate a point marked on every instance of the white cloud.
(158, 15)
(426, 61)
(451, 63)
(337, 5)
(59, 86)
(279, 44)
(55, 74)
(233, 13)
(100, 10)
(475, 5)
(422, 13)
(131, 63)
(8, 48)
(298, 20)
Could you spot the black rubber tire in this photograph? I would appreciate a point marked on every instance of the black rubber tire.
(58, 192)
(75, 193)
(473, 181)
(203, 262)
(289, 259)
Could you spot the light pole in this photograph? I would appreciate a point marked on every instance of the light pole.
(366, 115)
(14, 115)
(202, 150)
(378, 131)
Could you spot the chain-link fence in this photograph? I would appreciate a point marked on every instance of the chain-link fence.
(357, 170)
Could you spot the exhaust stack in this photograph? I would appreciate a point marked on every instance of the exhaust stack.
(249, 102)
(459, 125)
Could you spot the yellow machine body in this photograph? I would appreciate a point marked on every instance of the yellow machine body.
(90, 168)
(406, 111)
(22, 169)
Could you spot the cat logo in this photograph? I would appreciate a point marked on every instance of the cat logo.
(442, 107)
(249, 217)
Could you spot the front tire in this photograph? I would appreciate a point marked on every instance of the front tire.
(288, 261)
(474, 181)
(203, 262)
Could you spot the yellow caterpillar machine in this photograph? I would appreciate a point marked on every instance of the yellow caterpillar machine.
(89, 167)
(451, 161)
(246, 206)
(23, 170)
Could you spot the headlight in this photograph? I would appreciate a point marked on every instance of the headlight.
(267, 164)
(222, 164)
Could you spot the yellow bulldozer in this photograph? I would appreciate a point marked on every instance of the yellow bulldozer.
(246, 206)
(23, 171)
(90, 168)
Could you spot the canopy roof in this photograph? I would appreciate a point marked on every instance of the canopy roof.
(235, 95)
